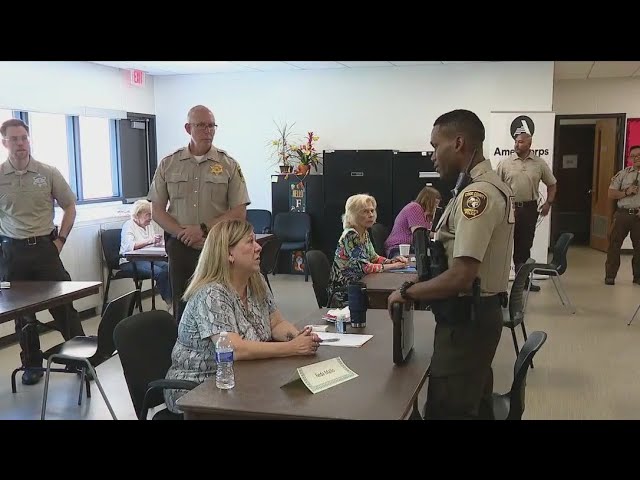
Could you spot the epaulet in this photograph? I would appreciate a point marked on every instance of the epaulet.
(224, 152)
(172, 154)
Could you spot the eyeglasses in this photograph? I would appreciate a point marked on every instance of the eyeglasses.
(23, 138)
(204, 126)
(633, 157)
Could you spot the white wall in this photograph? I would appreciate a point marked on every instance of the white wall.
(605, 95)
(71, 88)
(366, 108)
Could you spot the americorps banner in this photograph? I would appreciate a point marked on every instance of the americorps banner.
(503, 128)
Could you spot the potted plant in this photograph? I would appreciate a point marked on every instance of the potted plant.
(306, 155)
(281, 148)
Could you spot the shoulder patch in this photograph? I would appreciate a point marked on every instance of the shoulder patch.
(474, 203)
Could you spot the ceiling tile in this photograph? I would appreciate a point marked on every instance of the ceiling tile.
(410, 63)
(316, 65)
(613, 69)
(362, 64)
(572, 70)
(265, 66)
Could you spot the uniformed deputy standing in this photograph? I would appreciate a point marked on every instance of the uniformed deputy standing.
(476, 230)
(523, 172)
(203, 186)
(624, 189)
(30, 245)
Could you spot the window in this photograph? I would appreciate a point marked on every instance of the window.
(95, 157)
(49, 143)
(4, 116)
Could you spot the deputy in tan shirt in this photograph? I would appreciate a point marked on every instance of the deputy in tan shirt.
(203, 185)
(476, 230)
(624, 189)
(523, 171)
(30, 244)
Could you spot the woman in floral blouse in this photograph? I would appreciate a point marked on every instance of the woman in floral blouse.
(355, 256)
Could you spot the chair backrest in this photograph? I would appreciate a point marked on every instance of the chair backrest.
(292, 226)
(110, 240)
(269, 255)
(520, 369)
(144, 342)
(560, 249)
(260, 219)
(516, 295)
(117, 310)
(379, 234)
(319, 269)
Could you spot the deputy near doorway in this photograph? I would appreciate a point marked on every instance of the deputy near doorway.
(624, 189)
(523, 171)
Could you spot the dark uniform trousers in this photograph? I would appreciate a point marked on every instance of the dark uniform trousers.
(37, 262)
(182, 263)
(461, 378)
(623, 223)
(526, 214)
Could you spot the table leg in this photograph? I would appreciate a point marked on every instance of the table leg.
(153, 288)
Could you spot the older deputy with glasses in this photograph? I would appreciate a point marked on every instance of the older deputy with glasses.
(203, 186)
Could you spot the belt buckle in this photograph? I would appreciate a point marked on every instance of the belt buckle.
(632, 211)
(519, 204)
(31, 243)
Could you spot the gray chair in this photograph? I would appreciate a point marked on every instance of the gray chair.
(555, 268)
(514, 314)
(510, 405)
(87, 352)
(379, 235)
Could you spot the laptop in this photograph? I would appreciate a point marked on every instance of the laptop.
(402, 317)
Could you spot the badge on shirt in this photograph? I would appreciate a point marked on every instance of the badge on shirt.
(40, 181)
(473, 204)
(216, 169)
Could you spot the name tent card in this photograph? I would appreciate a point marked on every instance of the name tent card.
(323, 375)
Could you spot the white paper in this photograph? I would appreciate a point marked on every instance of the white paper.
(570, 161)
(344, 339)
(150, 250)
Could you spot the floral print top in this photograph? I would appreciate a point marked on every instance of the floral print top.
(355, 257)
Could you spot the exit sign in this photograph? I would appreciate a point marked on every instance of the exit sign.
(137, 78)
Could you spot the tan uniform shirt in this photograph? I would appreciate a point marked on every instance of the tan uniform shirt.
(479, 223)
(26, 200)
(198, 190)
(622, 180)
(524, 176)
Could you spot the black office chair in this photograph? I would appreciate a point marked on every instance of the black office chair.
(145, 342)
(110, 241)
(269, 257)
(320, 269)
(555, 268)
(514, 314)
(379, 235)
(294, 230)
(510, 405)
(87, 352)
(260, 219)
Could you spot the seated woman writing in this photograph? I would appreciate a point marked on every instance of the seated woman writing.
(139, 232)
(355, 256)
(228, 293)
(418, 213)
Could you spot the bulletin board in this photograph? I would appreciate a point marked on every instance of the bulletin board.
(633, 137)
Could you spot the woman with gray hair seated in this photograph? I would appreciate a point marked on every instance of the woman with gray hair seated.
(137, 233)
(355, 256)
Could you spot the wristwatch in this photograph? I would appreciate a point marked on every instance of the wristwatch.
(403, 289)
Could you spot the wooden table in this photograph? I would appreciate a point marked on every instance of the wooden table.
(381, 391)
(381, 285)
(158, 254)
(25, 298)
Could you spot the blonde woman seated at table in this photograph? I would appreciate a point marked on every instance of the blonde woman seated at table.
(138, 233)
(228, 293)
(355, 256)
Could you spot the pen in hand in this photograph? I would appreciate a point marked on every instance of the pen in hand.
(329, 340)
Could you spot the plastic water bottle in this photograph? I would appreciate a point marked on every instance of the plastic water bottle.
(225, 378)
(341, 323)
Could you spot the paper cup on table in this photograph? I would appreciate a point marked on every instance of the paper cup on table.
(404, 249)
